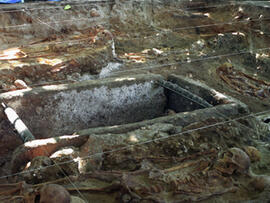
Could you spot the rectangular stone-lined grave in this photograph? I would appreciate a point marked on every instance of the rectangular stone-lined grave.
(67, 108)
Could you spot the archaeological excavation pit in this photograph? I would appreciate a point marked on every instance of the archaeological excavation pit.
(135, 101)
(56, 110)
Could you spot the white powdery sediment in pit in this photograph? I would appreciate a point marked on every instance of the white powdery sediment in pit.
(107, 106)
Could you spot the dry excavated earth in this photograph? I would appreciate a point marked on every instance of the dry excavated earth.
(136, 101)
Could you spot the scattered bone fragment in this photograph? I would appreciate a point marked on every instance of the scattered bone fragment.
(53, 193)
(12, 53)
(20, 84)
(156, 52)
(94, 13)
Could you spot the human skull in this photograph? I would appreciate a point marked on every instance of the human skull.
(234, 160)
(53, 193)
(40, 162)
(37, 168)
